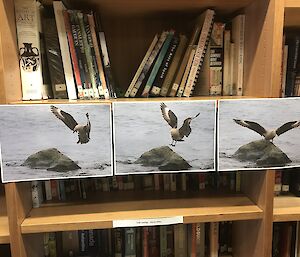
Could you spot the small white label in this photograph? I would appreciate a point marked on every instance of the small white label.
(148, 222)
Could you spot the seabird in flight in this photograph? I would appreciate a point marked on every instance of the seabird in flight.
(177, 134)
(268, 134)
(83, 131)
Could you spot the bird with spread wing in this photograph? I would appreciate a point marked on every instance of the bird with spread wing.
(83, 131)
(271, 133)
(177, 134)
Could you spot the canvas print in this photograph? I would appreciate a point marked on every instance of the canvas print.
(164, 136)
(55, 141)
(259, 133)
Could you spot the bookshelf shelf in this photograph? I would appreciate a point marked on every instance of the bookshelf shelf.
(101, 215)
(292, 4)
(292, 10)
(4, 230)
(286, 208)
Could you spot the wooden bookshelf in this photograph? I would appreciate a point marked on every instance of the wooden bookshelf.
(126, 24)
(4, 230)
(101, 215)
(286, 208)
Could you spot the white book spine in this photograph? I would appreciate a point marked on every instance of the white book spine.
(36, 194)
(48, 190)
(26, 13)
(199, 54)
(64, 48)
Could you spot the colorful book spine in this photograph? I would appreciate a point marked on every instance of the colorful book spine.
(65, 53)
(88, 53)
(74, 58)
(164, 67)
(29, 49)
(149, 63)
(98, 56)
(142, 65)
(157, 64)
(199, 53)
(174, 66)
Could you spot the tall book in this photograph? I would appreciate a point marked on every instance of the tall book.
(227, 86)
(157, 64)
(213, 239)
(26, 13)
(130, 242)
(200, 52)
(65, 53)
(200, 239)
(174, 66)
(54, 55)
(238, 38)
(216, 59)
(163, 241)
(70, 243)
(180, 240)
(142, 65)
(284, 69)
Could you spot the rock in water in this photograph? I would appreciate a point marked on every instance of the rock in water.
(263, 153)
(50, 159)
(164, 158)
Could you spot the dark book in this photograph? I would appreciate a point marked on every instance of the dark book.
(83, 242)
(285, 182)
(53, 54)
(293, 42)
(162, 72)
(295, 182)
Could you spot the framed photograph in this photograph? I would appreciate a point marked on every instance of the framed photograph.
(41, 141)
(258, 133)
(163, 137)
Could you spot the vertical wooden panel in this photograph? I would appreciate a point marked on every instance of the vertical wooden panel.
(18, 198)
(10, 83)
(263, 44)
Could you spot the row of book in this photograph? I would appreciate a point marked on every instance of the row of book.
(290, 83)
(63, 53)
(286, 182)
(286, 241)
(210, 63)
(75, 189)
(198, 239)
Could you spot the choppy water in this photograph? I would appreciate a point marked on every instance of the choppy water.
(271, 113)
(28, 129)
(139, 127)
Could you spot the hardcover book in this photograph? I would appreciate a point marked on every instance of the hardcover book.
(40, 142)
(164, 137)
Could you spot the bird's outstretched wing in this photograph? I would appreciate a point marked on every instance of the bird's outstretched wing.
(168, 115)
(65, 117)
(287, 126)
(251, 125)
(185, 129)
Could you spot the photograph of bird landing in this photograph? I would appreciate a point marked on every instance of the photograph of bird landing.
(177, 134)
(83, 131)
(270, 134)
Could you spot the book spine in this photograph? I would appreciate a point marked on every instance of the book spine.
(98, 56)
(46, 244)
(29, 49)
(183, 82)
(226, 74)
(200, 239)
(193, 240)
(157, 64)
(52, 245)
(92, 242)
(130, 242)
(65, 53)
(70, 243)
(199, 54)
(73, 54)
(149, 63)
(83, 242)
(87, 49)
(180, 240)
(142, 65)
(98, 88)
(145, 242)
(48, 192)
(162, 72)
(107, 67)
(118, 242)
(170, 241)
(163, 241)
(36, 194)
(278, 182)
(214, 239)
(80, 52)
(174, 66)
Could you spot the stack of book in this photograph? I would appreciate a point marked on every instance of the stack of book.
(63, 53)
(75, 189)
(198, 239)
(210, 63)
